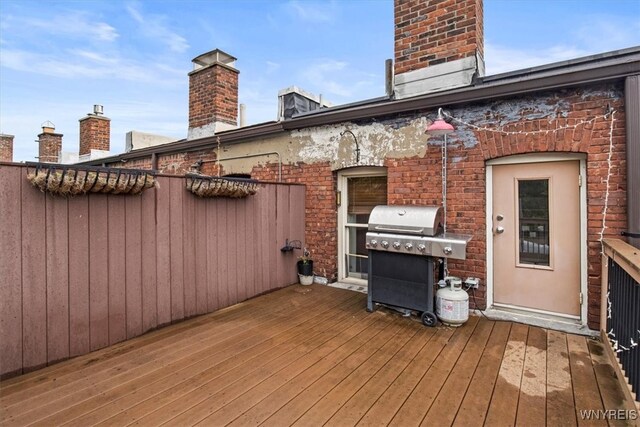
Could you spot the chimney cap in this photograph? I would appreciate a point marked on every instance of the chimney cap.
(48, 127)
(215, 56)
(98, 109)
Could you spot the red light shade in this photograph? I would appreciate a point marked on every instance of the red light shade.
(439, 126)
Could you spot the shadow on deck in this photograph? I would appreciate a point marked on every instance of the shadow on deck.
(313, 355)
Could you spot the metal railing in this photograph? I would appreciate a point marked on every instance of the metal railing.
(620, 308)
(534, 241)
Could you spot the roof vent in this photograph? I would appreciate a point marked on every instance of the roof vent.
(293, 100)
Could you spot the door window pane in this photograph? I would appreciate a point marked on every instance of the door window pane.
(363, 194)
(533, 213)
(357, 256)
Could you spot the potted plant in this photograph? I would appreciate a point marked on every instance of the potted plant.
(305, 268)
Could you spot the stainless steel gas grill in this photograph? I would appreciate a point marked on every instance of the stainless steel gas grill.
(403, 244)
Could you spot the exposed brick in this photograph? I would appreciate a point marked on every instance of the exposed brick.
(437, 21)
(417, 180)
(6, 148)
(49, 147)
(180, 163)
(95, 133)
(213, 96)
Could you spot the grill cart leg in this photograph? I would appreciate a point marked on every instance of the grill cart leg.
(370, 305)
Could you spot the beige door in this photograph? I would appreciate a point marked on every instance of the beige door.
(536, 236)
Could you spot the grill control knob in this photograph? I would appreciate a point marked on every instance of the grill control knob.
(384, 244)
(373, 243)
(396, 245)
(447, 250)
(422, 247)
(408, 246)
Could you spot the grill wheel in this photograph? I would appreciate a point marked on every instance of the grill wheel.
(429, 319)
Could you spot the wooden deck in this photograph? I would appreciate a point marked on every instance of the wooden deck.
(311, 356)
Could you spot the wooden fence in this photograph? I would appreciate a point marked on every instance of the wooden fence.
(78, 274)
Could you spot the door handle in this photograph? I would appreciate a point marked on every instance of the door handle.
(499, 229)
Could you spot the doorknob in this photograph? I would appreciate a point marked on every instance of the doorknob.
(499, 229)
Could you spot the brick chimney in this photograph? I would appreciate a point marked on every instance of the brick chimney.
(213, 94)
(6, 148)
(49, 144)
(439, 45)
(95, 132)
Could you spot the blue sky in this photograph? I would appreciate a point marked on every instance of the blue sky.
(58, 58)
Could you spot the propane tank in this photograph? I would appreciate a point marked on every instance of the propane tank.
(452, 302)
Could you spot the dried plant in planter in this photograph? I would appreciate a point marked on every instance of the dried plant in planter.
(209, 186)
(72, 180)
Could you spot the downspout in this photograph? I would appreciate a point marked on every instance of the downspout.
(154, 161)
(632, 125)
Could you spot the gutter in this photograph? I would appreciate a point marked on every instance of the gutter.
(227, 137)
(483, 92)
(602, 68)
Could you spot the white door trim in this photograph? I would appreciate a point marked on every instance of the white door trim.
(538, 158)
(342, 216)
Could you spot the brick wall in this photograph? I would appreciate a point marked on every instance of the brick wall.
(143, 163)
(95, 134)
(213, 96)
(430, 32)
(321, 220)
(417, 180)
(177, 163)
(49, 147)
(180, 163)
(466, 175)
(6, 148)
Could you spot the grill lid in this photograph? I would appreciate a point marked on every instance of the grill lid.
(415, 220)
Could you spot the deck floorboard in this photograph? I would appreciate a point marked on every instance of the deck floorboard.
(314, 356)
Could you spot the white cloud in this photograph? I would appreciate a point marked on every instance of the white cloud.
(75, 24)
(314, 12)
(155, 27)
(325, 75)
(602, 33)
(500, 59)
(82, 63)
(589, 35)
(272, 67)
(92, 56)
(339, 80)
